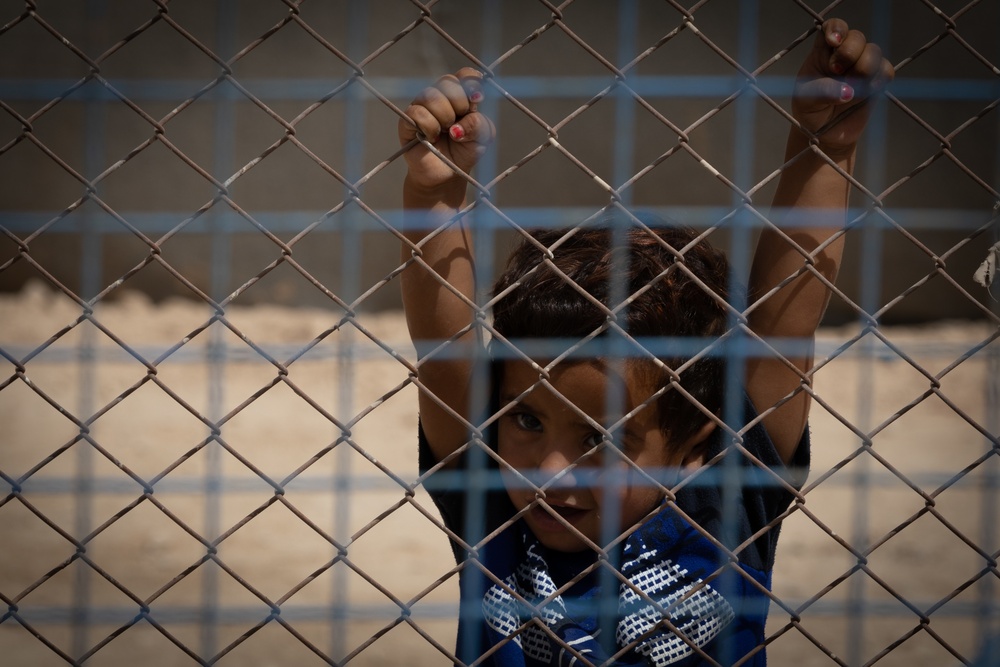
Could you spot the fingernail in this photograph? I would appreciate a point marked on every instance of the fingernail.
(456, 132)
(476, 97)
(836, 68)
(837, 37)
(846, 93)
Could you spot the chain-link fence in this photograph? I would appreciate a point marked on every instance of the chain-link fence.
(208, 446)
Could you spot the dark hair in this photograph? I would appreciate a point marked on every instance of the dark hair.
(677, 283)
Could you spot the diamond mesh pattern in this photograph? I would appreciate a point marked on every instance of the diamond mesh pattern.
(144, 145)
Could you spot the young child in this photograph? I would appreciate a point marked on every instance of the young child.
(615, 536)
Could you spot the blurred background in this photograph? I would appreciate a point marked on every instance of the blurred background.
(156, 108)
(207, 450)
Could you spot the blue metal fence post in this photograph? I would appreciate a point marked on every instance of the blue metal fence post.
(220, 271)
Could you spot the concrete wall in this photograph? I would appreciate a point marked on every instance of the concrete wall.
(939, 198)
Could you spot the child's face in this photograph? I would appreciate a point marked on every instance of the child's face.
(543, 434)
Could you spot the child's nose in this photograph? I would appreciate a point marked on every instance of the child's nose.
(552, 467)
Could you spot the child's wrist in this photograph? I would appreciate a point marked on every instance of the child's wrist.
(419, 196)
(842, 156)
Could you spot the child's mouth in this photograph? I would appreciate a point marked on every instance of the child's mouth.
(544, 518)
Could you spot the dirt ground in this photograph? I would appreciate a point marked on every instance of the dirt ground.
(90, 565)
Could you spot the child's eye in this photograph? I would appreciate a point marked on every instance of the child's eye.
(527, 421)
(594, 439)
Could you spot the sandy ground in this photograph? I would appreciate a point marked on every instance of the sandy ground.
(84, 554)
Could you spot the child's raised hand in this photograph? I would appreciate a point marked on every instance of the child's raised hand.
(840, 73)
(445, 114)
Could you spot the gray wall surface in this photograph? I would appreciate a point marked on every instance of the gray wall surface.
(133, 104)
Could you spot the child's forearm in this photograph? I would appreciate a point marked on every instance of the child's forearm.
(795, 265)
(438, 283)
(810, 205)
(433, 311)
(811, 190)
(437, 291)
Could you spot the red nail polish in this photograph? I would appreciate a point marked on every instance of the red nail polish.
(837, 37)
(476, 97)
(456, 132)
(846, 93)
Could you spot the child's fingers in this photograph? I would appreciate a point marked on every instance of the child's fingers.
(886, 73)
(437, 111)
(869, 63)
(834, 31)
(845, 57)
(463, 91)
(817, 94)
(472, 81)
(439, 106)
(473, 128)
(454, 92)
(842, 71)
(420, 120)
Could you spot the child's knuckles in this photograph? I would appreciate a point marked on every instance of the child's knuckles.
(425, 95)
(455, 93)
(446, 79)
(853, 45)
(426, 123)
(869, 63)
(478, 128)
(405, 133)
(439, 106)
(468, 74)
(845, 57)
(409, 124)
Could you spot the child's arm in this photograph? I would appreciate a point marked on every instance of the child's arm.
(839, 74)
(432, 193)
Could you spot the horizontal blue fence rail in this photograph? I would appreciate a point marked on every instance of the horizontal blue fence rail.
(653, 87)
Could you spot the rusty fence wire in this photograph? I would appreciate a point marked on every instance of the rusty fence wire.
(224, 478)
